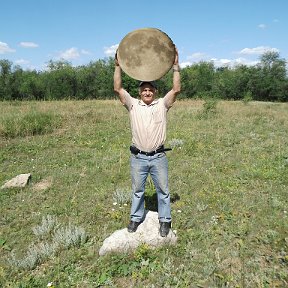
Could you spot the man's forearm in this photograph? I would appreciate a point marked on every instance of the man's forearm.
(118, 83)
(176, 79)
(117, 79)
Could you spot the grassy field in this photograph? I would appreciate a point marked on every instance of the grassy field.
(228, 174)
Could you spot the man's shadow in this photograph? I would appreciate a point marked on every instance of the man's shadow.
(151, 201)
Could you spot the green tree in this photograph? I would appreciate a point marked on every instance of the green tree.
(5, 77)
(231, 83)
(273, 77)
(31, 86)
(197, 79)
(266, 81)
(61, 80)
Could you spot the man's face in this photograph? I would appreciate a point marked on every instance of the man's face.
(147, 93)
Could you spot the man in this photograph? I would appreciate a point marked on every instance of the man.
(148, 127)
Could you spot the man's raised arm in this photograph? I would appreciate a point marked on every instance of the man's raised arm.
(170, 98)
(118, 81)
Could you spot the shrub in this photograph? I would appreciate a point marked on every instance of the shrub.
(61, 237)
(31, 123)
(122, 196)
(247, 97)
(69, 236)
(209, 108)
(48, 223)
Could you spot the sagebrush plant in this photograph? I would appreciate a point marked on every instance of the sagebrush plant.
(49, 222)
(122, 196)
(58, 237)
(36, 254)
(69, 236)
(230, 175)
(173, 143)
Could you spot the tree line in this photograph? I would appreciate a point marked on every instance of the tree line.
(266, 81)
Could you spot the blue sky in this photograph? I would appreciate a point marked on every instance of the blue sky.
(32, 32)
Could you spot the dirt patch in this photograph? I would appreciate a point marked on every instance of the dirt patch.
(43, 184)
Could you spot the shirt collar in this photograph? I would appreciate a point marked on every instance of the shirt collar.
(140, 102)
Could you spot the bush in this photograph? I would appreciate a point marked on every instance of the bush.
(209, 108)
(31, 123)
(58, 237)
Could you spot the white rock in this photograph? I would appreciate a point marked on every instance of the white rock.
(147, 232)
(20, 180)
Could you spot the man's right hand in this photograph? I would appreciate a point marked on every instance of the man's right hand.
(176, 60)
(116, 59)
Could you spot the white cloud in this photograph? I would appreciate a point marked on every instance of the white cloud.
(197, 56)
(221, 62)
(233, 62)
(4, 48)
(262, 26)
(185, 64)
(110, 51)
(257, 50)
(224, 62)
(194, 58)
(70, 54)
(22, 62)
(244, 61)
(85, 52)
(28, 45)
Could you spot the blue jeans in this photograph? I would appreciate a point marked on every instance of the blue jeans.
(157, 166)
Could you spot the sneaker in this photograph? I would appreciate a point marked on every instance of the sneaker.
(164, 228)
(132, 226)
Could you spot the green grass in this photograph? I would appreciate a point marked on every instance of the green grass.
(228, 174)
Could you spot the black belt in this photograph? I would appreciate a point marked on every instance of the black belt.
(134, 150)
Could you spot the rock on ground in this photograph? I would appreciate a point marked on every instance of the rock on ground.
(20, 180)
(147, 232)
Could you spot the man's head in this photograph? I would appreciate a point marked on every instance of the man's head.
(147, 91)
